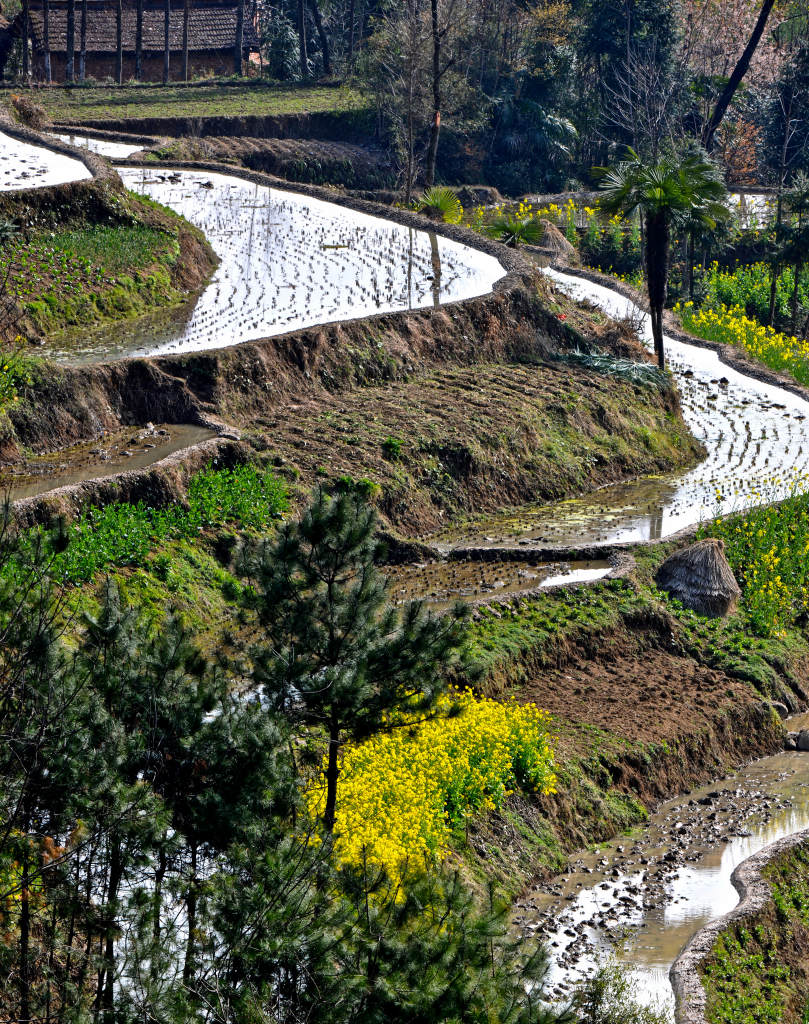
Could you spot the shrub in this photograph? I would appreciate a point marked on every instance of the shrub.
(515, 231)
(441, 203)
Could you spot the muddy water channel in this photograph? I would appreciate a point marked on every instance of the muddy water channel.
(287, 262)
(441, 584)
(642, 897)
(756, 436)
(115, 452)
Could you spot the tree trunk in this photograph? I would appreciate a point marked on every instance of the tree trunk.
(166, 42)
(116, 873)
(139, 40)
(657, 274)
(332, 772)
(46, 31)
(238, 46)
(83, 42)
(727, 94)
(351, 22)
(119, 42)
(798, 268)
(25, 934)
(435, 128)
(303, 58)
(191, 905)
(774, 275)
(26, 32)
(70, 54)
(324, 39)
(186, 18)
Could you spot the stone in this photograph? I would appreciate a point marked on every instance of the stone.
(802, 742)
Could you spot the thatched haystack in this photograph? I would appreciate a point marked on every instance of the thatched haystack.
(701, 579)
(554, 242)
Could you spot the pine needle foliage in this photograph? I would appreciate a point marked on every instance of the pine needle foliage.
(335, 654)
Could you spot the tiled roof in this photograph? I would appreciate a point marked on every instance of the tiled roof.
(209, 28)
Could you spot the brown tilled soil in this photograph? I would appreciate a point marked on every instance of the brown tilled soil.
(650, 695)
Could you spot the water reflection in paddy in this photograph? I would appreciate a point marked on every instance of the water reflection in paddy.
(756, 436)
(637, 899)
(441, 584)
(287, 262)
(104, 147)
(25, 166)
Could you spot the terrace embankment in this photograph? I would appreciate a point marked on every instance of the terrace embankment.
(648, 701)
(446, 410)
(311, 161)
(753, 964)
(88, 251)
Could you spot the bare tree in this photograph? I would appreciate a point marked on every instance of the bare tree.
(70, 62)
(640, 105)
(46, 41)
(733, 83)
(139, 40)
(186, 19)
(166, 41)
(119, 42)
(442, 21)
(302, 55)
(83, 42)
(322, 35)
(26, 32)
(238, 48)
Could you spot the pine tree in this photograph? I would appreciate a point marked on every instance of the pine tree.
(335, 654)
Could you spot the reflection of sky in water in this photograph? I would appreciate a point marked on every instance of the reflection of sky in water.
(287, 262)
(115, 150)
(757, 437)
(25, 166)
(700, 892)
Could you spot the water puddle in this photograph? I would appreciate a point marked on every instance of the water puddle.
(756, 435)
(25, 166)
(115, 452)
(644, 897)
(104, 147)
(287, 262)
(443, 583)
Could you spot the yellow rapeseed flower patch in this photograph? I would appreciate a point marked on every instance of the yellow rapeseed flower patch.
(729, 325)
(403, 792)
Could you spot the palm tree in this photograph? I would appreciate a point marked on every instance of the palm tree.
(671, 191)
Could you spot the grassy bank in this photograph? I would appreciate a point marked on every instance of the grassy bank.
(457, 441)
(118, 103)
(757, 970)
(88, 272)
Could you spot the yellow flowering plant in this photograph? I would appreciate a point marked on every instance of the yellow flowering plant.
(403, 792)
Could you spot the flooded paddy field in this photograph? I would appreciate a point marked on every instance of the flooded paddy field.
(644, 896)
(756, 436)
(114, 452)
(104, 147)
(441, 584)
(287, 262)
(25, 166)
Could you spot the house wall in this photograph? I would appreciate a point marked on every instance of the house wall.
(100, 66)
